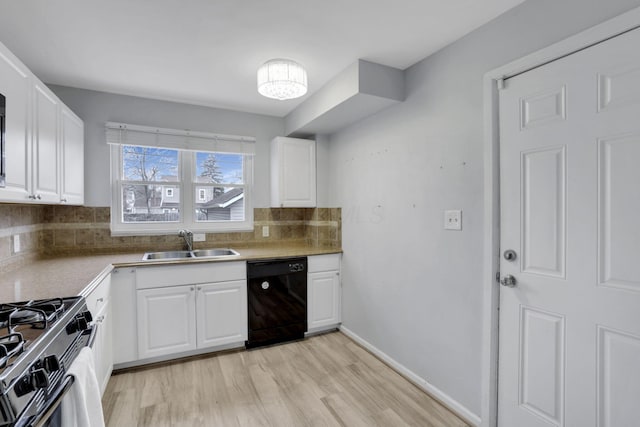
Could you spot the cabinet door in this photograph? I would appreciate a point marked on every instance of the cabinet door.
(72, 168)
(15, 85)
(103, 347)
(323, 299)
(166, 321)
(222, 313)
(294, 174)
(45, 145)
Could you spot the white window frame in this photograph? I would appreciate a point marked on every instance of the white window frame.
(186, 184)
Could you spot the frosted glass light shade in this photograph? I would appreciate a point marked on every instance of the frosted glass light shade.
(282, 79)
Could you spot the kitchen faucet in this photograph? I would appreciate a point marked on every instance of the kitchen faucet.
(188, 238)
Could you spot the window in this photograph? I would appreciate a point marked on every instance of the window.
(160, 186)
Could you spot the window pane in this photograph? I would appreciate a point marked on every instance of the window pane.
(150, 203)
(219, 203)
(219, 168)
(149, 164)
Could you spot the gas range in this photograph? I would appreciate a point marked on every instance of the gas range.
(38, 342)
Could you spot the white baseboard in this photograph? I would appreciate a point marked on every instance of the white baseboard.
(421, 383)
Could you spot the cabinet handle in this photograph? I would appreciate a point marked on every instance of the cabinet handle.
(63, 200)
(38, 197)
(199, 288)
(31, 196)
(193, 289)
(100, 300)
(100, 319)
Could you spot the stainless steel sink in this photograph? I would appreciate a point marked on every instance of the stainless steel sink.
(167, 255)
(198, 253)
(214, 253)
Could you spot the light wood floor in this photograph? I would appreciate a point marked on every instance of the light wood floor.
(326, 380)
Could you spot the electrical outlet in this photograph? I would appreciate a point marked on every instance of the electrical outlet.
(199, 237)
(453, 220)
(265, 231)
(16, 244)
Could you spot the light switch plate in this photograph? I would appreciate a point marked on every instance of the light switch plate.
(16, 244)
(265, 231)
(199, 237)
(453, 220)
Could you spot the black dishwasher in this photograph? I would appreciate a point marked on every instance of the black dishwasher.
(277, 295)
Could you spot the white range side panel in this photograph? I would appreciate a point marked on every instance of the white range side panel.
(125, 319)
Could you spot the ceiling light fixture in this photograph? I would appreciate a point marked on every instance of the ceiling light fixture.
(282, 79)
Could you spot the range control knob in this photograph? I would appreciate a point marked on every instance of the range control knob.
(79, 323)
(39, 378)
(24, 386)
(51, 363)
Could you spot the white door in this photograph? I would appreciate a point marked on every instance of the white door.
(222, 313)
(166, 321)
(45, 145)
(323, 299)
(15, 85)
(570, 209)
(72, 173)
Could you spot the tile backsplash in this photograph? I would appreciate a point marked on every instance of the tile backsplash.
(60, 230)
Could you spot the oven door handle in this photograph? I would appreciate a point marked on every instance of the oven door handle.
(92, 335)
(43, 416)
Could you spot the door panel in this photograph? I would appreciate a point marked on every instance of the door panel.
(619, 207)
(570, 197)
(544, 211)
(617, 391)
(542, 364)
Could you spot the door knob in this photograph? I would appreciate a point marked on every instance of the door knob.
(509, 281)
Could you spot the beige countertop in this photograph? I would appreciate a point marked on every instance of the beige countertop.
(77, 275)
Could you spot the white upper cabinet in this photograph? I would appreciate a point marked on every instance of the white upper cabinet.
(72, 166)
(15, 85)
(46, 187)
(293, 173)
(44, 140)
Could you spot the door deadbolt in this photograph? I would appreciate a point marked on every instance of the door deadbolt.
(510, 255)
(509, 281)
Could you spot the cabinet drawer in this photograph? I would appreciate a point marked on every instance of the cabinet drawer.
(172, 275)
(98, 299)
(323, 262)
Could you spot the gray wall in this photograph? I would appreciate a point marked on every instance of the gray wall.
(410, 288)
(97, 108)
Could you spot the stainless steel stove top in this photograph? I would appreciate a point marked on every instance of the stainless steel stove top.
(38, 342)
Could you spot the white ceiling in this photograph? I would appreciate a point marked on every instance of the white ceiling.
(207, 52)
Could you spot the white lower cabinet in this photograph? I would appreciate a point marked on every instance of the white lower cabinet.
(193, 314)
(103, 347)
(166, 321)
(99, 304)
(221, 312)
(324, 292)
